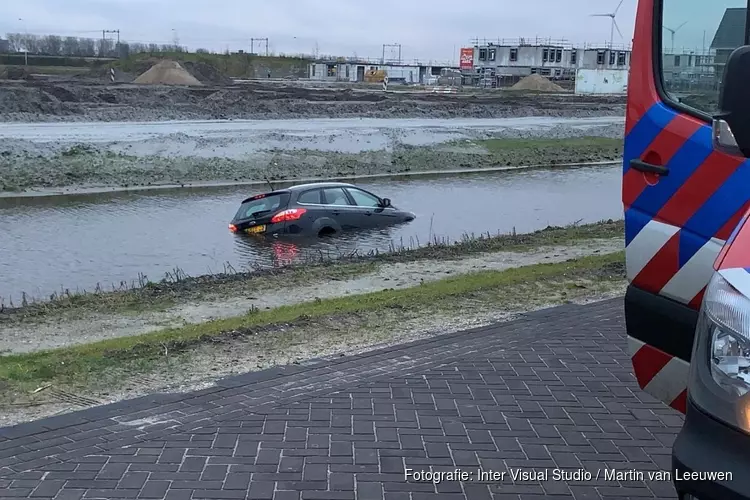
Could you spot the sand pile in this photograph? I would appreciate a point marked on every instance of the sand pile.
(536, 82)
(167, 73)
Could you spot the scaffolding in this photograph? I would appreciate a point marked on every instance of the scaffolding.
(546, 42)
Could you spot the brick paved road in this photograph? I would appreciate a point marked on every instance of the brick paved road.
(552, 389)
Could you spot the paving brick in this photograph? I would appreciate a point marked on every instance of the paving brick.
(133, 480)
(69, 494)
(552, 389)
(154, 489)
(369, 491)
(261, 490)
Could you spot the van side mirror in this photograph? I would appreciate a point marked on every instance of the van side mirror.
(731, 126)
(386, 202)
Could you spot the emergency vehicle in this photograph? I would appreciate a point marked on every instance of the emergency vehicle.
(686, 194)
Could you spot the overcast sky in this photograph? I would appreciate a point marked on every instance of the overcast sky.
(426, 29)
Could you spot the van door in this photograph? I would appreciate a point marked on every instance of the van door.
(681, 198)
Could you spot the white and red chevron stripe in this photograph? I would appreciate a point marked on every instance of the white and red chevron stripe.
(660, 374)
(652, 259)
(652, 263)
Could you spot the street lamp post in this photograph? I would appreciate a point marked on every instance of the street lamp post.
(25, 44)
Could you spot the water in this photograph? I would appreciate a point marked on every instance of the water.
(78, 241)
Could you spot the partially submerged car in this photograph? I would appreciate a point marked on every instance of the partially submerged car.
(317, 209)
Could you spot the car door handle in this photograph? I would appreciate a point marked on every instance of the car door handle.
(642, 166)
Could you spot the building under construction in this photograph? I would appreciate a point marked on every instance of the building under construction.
(493, 63)
(374, 71)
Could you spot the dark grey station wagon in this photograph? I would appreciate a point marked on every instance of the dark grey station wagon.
(317, 209)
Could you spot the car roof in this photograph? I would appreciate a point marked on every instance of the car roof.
(299, 187)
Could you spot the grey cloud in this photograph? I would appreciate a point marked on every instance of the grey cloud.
(426, 29)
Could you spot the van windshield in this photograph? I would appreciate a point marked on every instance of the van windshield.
(258, 206)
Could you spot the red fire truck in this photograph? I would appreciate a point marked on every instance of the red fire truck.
(686, 195)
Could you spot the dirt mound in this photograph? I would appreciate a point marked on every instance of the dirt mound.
(206, 73)
(536, 82)
(167, 73)
(13, 73)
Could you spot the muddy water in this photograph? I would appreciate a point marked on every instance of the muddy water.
(76, 242)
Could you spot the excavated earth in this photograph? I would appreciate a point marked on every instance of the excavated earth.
(34, 101)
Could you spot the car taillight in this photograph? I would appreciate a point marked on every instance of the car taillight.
(233, 228)
(287, 215)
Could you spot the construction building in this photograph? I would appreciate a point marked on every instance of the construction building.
(503, 62)
(374, 71)
(729, 35)
(689, 69)
(4, 46)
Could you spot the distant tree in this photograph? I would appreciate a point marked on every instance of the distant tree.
(70, 46)
(87, 47)
(105, 47)
(138, 48)
(123, 50)
(28, 43)
(50, 45)
(15, 42)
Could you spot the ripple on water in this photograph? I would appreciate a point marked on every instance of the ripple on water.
(79, 241)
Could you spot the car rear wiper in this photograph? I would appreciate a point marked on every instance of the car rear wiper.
(262, 212)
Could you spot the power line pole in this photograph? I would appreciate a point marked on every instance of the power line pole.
(104, 38)
(104, 34)
(252, 44)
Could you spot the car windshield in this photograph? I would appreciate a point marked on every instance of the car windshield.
(258, 206)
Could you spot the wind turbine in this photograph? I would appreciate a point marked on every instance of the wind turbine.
(673, 31)
(614, 24)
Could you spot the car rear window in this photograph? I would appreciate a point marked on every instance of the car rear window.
(262, 204)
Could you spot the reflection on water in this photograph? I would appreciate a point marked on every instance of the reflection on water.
(257, 251)
(79, 241)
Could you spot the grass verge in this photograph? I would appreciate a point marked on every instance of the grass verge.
(497, 145)
(143, 294)
(117, 359)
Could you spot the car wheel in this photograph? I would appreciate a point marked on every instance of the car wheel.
(326, 231)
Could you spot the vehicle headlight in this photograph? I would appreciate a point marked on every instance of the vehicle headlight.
(720, 368)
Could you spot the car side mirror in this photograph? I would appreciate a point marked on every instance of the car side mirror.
(386, 202)
(731, 126)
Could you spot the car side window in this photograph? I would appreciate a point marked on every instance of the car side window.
(309, 197)
(363, 199)
(697, 38)
(335, 196)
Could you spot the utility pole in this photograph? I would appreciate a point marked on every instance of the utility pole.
(25, 44)
(252, 44)
(104, 38)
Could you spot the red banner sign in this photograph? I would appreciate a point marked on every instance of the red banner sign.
(467, 58)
